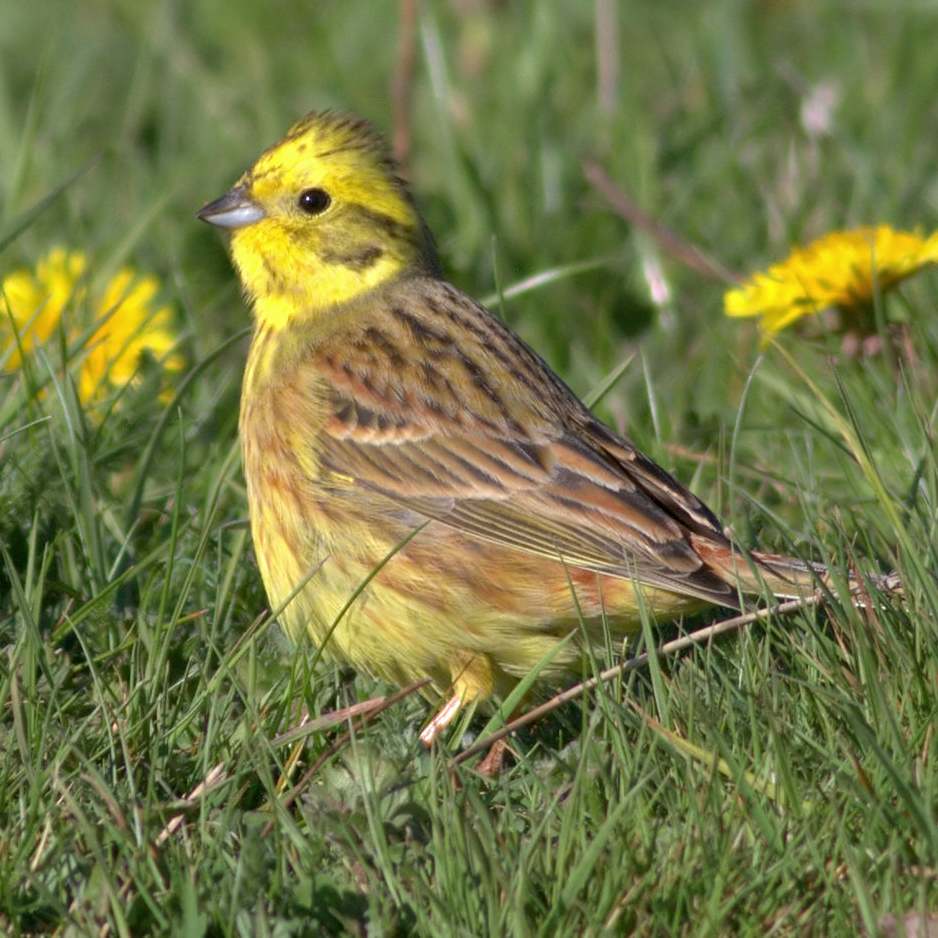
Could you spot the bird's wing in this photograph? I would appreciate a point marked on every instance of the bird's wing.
(450, 415)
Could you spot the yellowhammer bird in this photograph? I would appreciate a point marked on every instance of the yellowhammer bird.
(390, 423)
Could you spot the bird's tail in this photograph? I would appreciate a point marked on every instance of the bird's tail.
(757, 573)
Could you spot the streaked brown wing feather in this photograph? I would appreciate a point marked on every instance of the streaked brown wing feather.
(497, 447)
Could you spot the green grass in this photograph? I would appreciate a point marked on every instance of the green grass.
(778, 781)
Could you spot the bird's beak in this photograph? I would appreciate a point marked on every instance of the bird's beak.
(235, 209)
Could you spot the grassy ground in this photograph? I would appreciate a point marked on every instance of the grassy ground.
(778, 781)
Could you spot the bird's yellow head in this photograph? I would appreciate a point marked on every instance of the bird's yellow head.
(320, 219)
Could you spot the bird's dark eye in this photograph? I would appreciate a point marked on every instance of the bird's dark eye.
(314, 201)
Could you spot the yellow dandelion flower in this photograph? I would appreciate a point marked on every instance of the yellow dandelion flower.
(117, 328)
(32, 303)
(843, 269)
